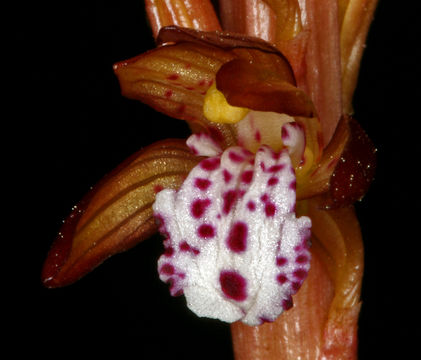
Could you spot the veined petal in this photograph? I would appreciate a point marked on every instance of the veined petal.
(233, 244)
(195, 14)
(117, 213)
(355, 18)
(174, 78)
(307, 33)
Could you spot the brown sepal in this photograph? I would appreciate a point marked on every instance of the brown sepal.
(117, 213)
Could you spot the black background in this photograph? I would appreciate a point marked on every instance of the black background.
(70, 126)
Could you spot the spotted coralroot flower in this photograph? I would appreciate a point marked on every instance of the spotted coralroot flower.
(275, 162)
(234, 246)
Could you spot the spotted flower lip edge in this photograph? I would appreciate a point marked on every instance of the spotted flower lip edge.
(231, 209)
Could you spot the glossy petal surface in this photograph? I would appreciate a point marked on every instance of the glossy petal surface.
(117, 213)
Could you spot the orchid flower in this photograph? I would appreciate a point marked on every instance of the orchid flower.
(256, 206)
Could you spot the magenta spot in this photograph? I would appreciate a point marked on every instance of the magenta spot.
(202, 184)
(195, 251)
(173, 77)
(167, 269)
(257, 136)
(237, 237)
(270, 209)
(227, 176)
(251, 205)
(287, 303)
(300, 274)
(284, 133)
(295, 286)
(273, 181)
(210, 164)
(302, 259)
(229, 200)
(184, 246)
(157, 188)
(282, 279)
(276, 155)
(293, 185)
(169, 251)
(264, 198)
(247, 176)
(235, 157)
(281, 261)
(276, 168)
(206, 231)
(233, 285)
(168, 93)
(198, 207)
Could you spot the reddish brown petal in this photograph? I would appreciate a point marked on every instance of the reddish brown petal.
(322, 76)
(259, 88)
(195, 14)
(223, 40)
(251, 17)
(355, 17)
(354, 171)
(307, 33)
(173, 79)
(117, 213)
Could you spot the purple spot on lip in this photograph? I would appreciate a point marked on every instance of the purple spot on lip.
(202, 184)
(233, 285)
(251, 205)
(210, 164)
(247, 176)
(237, 237)
(301, 259)
(273, 181)
(276, 168)
(235, 157)
(206, 231)
(281, 261)
(227, 176)
(167, 269)
(199, 206)
(229, 199)
(270, 209)
(282, 279)
(300, 274)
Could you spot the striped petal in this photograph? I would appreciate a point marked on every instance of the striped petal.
(194, 14)
(117, 213)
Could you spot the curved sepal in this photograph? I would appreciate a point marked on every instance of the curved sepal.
(117, 213)
(345, 170)
(261, 88)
